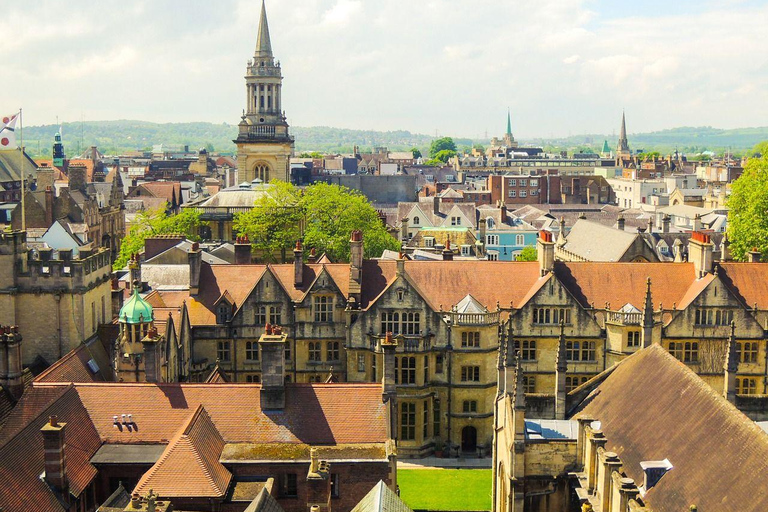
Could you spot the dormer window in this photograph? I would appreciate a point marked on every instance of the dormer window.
(223, 313)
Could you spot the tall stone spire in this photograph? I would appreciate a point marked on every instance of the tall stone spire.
(623, 143)
(648, 316)
(263, 43)
(509, 123)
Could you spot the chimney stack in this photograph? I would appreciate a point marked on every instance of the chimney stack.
(546, 252)
(404, 229)
(48, 206)
(152, 356)
(356, 267)
(665, 221)
(697, 222)
(561, 365)
(620, 223)
(388, 388)
(242, 250)
(78, 178)
(10, 361)
(195, 257)
(447, 251)
(700, 249)
(503, 213)
(272, 344)
(483, 226)
(55, 458)
(754, 256)
(318, 483)
(298, 265)
(312, 258)
(731, 366)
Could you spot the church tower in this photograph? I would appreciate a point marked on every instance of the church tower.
(264, 146)
(622, 150)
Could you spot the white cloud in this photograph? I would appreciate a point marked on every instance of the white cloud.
(561, 65)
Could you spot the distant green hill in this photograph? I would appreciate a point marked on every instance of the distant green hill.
(114, 137)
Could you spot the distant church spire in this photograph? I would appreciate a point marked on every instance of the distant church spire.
(263, 43)
(509, 123)
(623, 143)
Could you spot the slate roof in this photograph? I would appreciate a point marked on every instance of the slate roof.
(653, 407)
(381, 499)
(595, 242)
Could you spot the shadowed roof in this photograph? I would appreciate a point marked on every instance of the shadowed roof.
(653, 407)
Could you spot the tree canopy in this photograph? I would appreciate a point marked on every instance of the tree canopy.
(441, 144)
(416, 152)
(748, 214)
(323, 215)
(528, 253)
(157, 222)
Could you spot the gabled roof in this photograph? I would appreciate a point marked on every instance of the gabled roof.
(748, 281)
(381, 499)
(75, 366)
(595, 242)
(189, 466)
(470, 305)
(22, 454)
(653, 407)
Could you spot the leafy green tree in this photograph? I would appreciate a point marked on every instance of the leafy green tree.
(312, 154)
(274, 225)
(328, 215)
(416, 152)
(441, 144)
(157, 222)
(760, 149)
(528, 254)
(444, 155)
(748, 214)
(479, 147)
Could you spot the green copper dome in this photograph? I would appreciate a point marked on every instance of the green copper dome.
(136, 310)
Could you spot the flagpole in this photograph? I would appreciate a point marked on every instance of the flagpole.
(21, 170)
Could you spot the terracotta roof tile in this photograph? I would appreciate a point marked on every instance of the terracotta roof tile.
(622, 283)
(22, 455)
(749, 281)
(377, 276)
(189, 466)
(314, 413)
(653, 407)
(73, 367)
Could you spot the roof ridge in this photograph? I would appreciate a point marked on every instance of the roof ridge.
(31, 419)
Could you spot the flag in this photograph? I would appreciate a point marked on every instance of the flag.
(8, 132)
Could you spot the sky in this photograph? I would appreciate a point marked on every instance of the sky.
(447, 67)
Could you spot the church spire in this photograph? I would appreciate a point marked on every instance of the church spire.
(263, 44)
(509, 123)
(623, 143)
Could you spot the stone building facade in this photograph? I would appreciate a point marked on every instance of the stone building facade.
(57, 301)
(449, 316)
(264, 146)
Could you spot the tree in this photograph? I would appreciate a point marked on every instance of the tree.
(444, 155)
(274, 224)
(328, 213)
(416, 152)
(748, 214)
(313, 154)
(528, 253)
(441, 144)
(479, 147)
(157, 222)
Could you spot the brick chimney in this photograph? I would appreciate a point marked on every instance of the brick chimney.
(697, 222)
(700, 249)
(45, 177)
(312, 258)
(48, 206)
(10, 361)
(55, 459)
(546, 252)
(318, 483)
(561, 371)
(195, 258)
(272, 344)
(503, 213)
(483, 226)
(388, 388)
(404, 229)
(620, 223)
(731, 366)
(447, 251)
(356, 267)
(242, 250)
(78, 177)
(298, 265)
(754, 256)
(665, 221)
(153, 364)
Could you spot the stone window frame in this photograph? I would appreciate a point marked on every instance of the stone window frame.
(251, 350)
(333, 351)
(407, 421)
(314, 352)
(470, 373)
(322, 308)
(223, 351)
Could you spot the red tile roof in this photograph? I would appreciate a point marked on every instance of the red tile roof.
(168, 190)
(314, 413)
(749, 281)
(22, 456)
(189, 467)
(622, 283)
(653, 407)
(73, 367)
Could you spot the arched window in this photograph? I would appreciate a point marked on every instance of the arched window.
(262, 172)
(416, 220)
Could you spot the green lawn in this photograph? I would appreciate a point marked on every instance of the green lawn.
(445, 489)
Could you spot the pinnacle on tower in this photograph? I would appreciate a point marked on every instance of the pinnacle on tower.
(263, 43)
